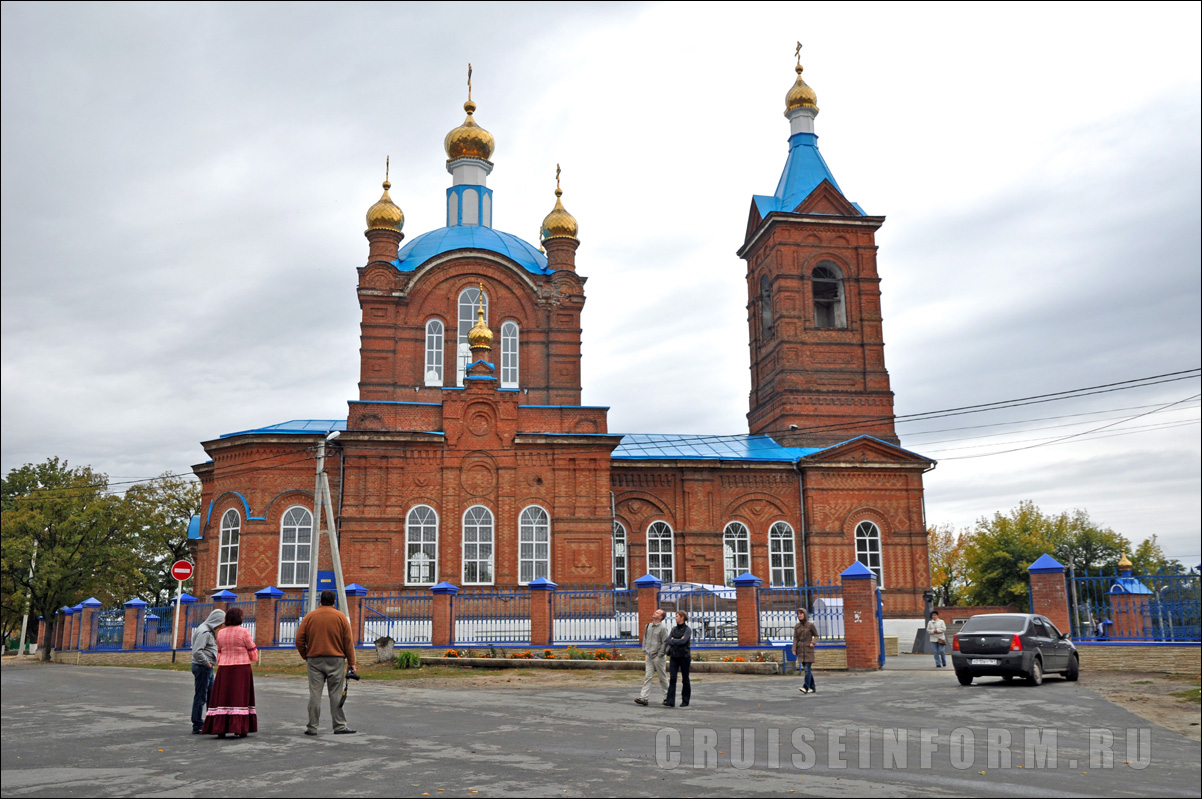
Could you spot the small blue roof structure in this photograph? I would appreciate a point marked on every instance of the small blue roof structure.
(1128, 585)
(747, 579)
(445, 588)
(804, 170)
(194, 527)
(270, 591)
(541, 584)
(91, 602)
(470, 237)
(136, 603)
(1045, 564)
(857, 571)
(354, 589)
(648, 580)
(224, 596)
(296, 427)
(656, 446)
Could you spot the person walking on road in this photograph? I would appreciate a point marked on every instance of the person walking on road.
(937, 632)
(324, 640)
(680, 657)
(232, 700)
(204, 658)
(805, 636)
(655, 648)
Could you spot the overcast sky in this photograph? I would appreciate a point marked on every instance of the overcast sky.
(184, 189)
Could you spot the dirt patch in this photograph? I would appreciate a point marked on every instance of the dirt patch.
(1164, 699)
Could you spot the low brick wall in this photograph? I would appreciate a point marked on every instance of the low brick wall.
(1158, 658)
(281, 656)
(598, 665)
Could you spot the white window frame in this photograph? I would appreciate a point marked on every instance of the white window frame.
(736, 550)
(424, 546)
(656, 568)
(621, 552)
(300, 550)
(227, 549)
(488, 561)
(469, 305)
(510, 339)
(782, 555)
(534, 532)
(868, 549)
(435, 352)
(838, 309)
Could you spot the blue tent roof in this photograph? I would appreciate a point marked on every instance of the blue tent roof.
(296, 427)
(654, 446)
(804, 170)
(470, 237)
(1128, 585)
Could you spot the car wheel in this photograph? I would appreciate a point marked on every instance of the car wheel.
(1036, 675)
(1074, 669)
(964, 677)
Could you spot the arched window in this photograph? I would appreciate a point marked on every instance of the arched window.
(296, 536)
(534, 544)
(619, 555)
(470, 301)
(434, 349)
(829, 306)
(227, 549)
(509, 355)
(736, 549)
(766, 306)
(660, 552)
(868, 549)
(782, 562)
(421, 546)
(477, 546)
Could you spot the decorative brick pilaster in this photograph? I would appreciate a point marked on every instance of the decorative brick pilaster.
(266, 623)
(443, 633)
(76, 626)
(91, 621)
(860, 630)
(62, 629)
(41, 633)
(355, 594)
(542, 599)
(747, 606)
(1049, 595)
(648, 588)
(134, 610)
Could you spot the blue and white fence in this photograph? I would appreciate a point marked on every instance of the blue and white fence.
(492, 618)
(405, 618)
(595, 615)
(778, 612)
(712, 610)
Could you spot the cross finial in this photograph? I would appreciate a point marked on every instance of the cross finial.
(386, 165)
(557, 177)
(797, 53)
(469, 80)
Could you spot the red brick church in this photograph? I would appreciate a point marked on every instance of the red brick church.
(468, 458)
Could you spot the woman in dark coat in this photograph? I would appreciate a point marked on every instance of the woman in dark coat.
(805, 635)
(232, 700)
(679, 657)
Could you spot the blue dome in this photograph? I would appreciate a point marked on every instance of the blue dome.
(470, 237)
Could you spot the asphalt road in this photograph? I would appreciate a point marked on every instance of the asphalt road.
(92, 731)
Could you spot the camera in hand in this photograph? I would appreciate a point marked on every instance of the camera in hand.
(353, 675)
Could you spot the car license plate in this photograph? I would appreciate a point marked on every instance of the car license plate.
(983, 662)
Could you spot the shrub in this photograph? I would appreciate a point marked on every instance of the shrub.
(575, 653)
(408, 660)
(450, 653)
(549, 654)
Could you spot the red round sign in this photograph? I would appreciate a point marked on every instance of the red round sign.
(182, 570)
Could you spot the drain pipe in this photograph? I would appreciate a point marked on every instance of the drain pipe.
(801, 527)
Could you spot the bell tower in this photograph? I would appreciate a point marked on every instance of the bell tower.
(813, 301)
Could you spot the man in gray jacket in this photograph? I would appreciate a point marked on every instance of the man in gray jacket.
(204, 658)
(655, 647)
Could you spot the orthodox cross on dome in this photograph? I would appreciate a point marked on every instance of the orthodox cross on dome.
(557, 189)
(469, 80)
(797, 53)
(387, 158)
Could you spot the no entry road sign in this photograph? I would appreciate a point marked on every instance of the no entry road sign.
(182, 570)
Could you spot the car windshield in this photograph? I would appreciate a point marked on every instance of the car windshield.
(995, 623)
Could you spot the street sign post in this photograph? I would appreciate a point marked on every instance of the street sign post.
(181, 570)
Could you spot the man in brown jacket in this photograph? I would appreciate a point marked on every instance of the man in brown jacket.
(805, 636)
(324, 640)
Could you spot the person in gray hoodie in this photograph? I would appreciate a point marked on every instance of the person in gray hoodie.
(204, 658)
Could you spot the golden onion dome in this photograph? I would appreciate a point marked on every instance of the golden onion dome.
(800, 95)
(385, 214)
(469, 140)
(1125, 563)
(559, 224)
(480, 337)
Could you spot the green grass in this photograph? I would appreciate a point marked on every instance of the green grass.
(1192, 695)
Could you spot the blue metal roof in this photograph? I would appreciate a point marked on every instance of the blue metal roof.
(655, 446)
(804, 170)
(296, 427)
(470, 237)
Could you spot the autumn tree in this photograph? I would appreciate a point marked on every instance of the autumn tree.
(945, 551)
(1149, 558)
(160, 510)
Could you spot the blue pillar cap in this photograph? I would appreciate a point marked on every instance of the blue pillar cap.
(151, 616)
(1046, 564)
(542, 584)
(224, 596)
(445, 588)
(185, 599)
(857, 571)
(135, 603)
(78, 608)
(648, 581)
(270, 591)
(747, 580)
(91, 602)
(67, 610)
(354, 589)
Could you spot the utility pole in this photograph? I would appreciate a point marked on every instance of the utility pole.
(323, 503)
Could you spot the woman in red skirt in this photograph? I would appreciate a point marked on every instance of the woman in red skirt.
(232, 700)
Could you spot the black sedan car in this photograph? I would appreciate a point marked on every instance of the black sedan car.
(1010, 645)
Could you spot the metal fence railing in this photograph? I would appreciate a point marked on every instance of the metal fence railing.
(405, 618)
(778, 612)
(195, 615)
(712, 610)
(156, 627)
(596, 615)
(288, 615)
(110, 629)
(1153, 607)
(249, 615)
(492, 618)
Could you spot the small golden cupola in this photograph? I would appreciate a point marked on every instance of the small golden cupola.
(385, 214)
(469, 140)
(800, 94)
(559, 224)
(480, 337)
(1125, 563)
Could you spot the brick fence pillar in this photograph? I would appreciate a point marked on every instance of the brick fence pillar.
(134, 610)
(266, 625)
(62, 635)
(355, 594)
(183, 636)
(542, 612)
(860, 632)
(91, 623)
(747, 605)
(76, 625)
(648, 588)
(41, 633)
(443, 616)
(223, 599)
(1049, 595)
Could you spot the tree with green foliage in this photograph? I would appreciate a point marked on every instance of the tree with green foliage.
(1149, 558)
(161, 509)
(945, 552)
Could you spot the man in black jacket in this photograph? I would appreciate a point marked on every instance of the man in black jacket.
(679, 658)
